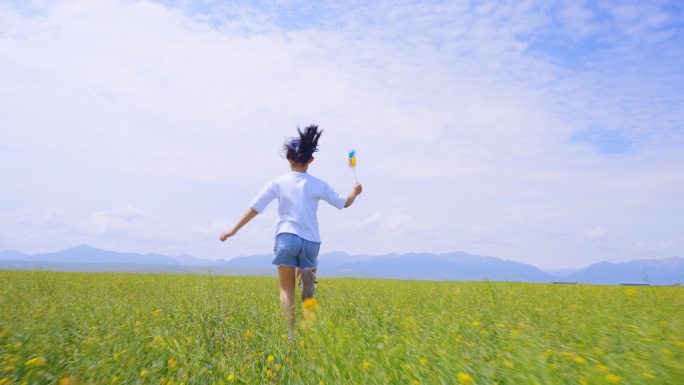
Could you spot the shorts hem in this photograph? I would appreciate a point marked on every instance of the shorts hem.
(284, 264)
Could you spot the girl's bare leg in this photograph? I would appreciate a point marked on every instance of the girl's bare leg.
(299, 274)
(286, 276)
(308, 278)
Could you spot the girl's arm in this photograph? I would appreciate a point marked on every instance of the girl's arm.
(251, 213)
(355, 192)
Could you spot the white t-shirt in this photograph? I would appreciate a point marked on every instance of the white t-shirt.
(298, 194)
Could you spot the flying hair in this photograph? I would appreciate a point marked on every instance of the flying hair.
(300, 150)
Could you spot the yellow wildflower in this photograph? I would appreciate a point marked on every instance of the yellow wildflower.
(366, 364)
(37, 361)
(464, 378)
(231, 377)
(188, 340)
(649, 375)
(70, 380)
(5, 380)
(423, 361)
(613, 379)
(158, 340)
(602, 368)
(310, 304)
(579, 360)
(475, 323)
(508, 364)
(171, 362)
(9, 368)
(631, 292)
(270, 358)
(144, 373)
(583, 381)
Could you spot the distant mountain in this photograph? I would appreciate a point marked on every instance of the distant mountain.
(189, 260)
(90, 255)
(10, 255)
(561, 273)
(456, 266)
(254, 261)
(662, 272)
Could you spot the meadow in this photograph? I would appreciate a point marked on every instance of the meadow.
(92, 328)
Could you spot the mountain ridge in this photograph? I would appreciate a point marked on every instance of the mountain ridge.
(452, 266)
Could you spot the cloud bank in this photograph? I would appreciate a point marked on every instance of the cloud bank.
(545, 132)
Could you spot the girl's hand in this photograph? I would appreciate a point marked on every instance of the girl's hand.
(357, 189)
(251, 213)
(226, 235)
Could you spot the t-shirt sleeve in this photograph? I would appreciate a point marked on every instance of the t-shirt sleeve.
(264, 197)
(333, 197)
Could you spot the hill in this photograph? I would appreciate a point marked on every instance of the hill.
(454, 266)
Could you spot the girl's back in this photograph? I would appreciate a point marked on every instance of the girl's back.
(298, 194)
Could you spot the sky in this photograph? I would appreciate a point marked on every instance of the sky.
(545, 132)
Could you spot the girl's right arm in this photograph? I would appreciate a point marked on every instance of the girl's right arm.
(352, 197)
(251, 213)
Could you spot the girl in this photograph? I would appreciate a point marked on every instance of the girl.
(297, 239)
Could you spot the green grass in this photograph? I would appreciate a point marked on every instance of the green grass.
(172, 329)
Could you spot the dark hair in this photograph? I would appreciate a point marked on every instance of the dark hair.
(300, 150)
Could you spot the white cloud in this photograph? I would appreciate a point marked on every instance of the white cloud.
(395, 223)
(597, 234)
(457, 121)
(578, 19)
(117, 220)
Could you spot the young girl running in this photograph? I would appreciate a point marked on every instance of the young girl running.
(297, 239)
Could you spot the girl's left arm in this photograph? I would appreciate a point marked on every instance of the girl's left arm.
(251, 213)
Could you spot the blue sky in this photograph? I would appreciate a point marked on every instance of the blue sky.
(547, 132)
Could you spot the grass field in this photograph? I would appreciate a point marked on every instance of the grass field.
(68, 328)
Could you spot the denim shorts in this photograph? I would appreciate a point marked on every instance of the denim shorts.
(292, 250)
